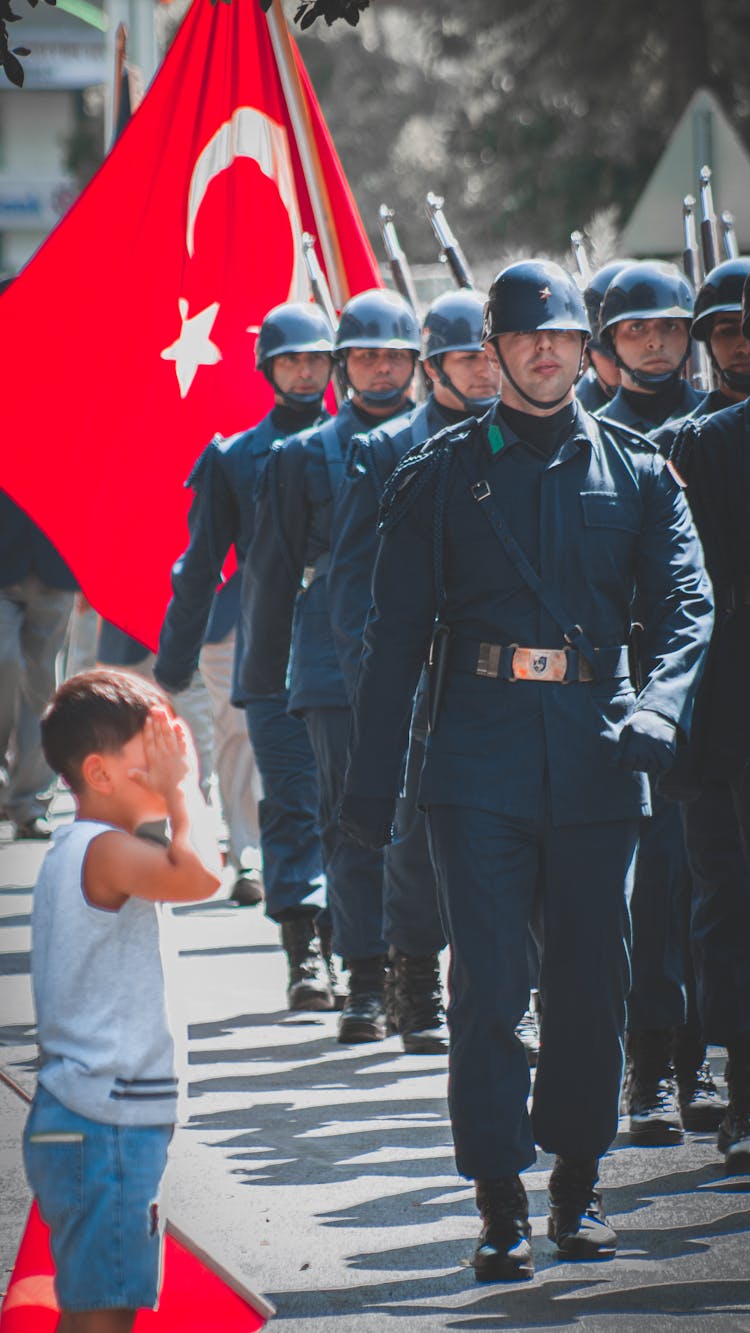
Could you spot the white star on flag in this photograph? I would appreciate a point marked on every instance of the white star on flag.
(193, 348)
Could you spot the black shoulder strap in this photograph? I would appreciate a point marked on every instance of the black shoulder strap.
(328, 435)
(572, 632)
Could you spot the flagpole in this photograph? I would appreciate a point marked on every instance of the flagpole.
(296, 101)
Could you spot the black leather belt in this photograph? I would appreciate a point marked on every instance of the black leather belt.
(512, 661)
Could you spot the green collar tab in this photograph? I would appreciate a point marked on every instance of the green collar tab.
(497, 443)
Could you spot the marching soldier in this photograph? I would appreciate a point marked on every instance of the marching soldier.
(523, 536)
(601, 380)
(645, 320)
(463, 381)
(293, 350)
(712, 454)
(285, 606)
(717, 321)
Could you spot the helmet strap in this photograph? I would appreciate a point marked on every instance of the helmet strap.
(472, 405)
(293, 400)
(644, 380)
(539, 402)
(733, 379)
(375, 397)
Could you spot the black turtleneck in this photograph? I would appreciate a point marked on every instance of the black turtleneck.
(371, 422)
(452, 415)
(656, 407)
(290, 420)
(543, 434)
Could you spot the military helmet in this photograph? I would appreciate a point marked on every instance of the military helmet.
(293, 327)
(378, 318)
(453, 323)
(647, 289)
(746, 309)
(593, 292)
(720, 291)
(533, 294)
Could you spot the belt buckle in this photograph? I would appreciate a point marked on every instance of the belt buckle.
(548, 664)
(488, 660)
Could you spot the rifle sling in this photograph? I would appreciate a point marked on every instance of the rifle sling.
(573, 633)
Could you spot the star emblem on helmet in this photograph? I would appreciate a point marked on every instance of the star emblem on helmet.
(545, 293)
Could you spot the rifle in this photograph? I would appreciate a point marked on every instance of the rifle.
(450, 251)
(708, 222)
(728, 236)
(397, 261)
(580, 256)
(318, 282)
(698, 367)
(691, 260)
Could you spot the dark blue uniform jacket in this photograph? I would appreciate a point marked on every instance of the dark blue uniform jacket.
(285, 586)
(224, 479)
(24, 549)
(600, 519)
(713, 455)
(354, 543)
(590, 393)
(620, 409)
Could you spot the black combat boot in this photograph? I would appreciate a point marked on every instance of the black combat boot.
(649, 1097)
(576, 1222)
(363, 1015)
(734, 1131)
(503, 1252)
(336, 980)
(309, 985)
(419, 1012)
(701, 1105)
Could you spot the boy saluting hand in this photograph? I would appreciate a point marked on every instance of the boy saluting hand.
(95, 1143)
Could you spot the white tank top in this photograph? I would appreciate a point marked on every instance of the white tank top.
(106, 1047)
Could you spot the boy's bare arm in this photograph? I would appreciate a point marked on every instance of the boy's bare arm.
(120, 866)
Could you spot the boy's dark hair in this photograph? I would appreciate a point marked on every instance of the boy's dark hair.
(95, 712)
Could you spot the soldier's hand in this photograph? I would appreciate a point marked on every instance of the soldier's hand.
(368, 820)
(647, 743)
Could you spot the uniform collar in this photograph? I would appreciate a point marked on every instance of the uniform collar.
(499, 437)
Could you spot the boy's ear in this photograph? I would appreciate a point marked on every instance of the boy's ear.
(95, 773)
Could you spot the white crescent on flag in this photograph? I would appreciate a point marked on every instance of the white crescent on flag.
(251, 134)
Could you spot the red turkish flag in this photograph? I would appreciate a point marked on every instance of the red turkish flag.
(196, 1295)
(128, 340)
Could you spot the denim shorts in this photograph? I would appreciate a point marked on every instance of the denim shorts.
(98, 1189)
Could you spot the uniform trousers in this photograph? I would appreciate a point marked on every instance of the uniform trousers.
(234, 763)
(33, 623)
(716, 833)
(411, 916)
(376, 899)
(661, 890)
(293, 875)
(497, 875)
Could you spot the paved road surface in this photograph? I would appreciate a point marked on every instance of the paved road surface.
(323, 1176)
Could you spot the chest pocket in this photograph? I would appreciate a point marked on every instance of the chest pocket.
(607, 509)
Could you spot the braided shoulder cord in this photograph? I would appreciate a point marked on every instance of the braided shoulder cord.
(684, 443)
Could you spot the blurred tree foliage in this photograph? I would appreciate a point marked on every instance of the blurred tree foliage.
(530, 116)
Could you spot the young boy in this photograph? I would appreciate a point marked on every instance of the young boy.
(95, 1144)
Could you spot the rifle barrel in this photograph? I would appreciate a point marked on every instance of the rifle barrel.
(397, 261)
(708, 221)
(450, 250)
(729, 236)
